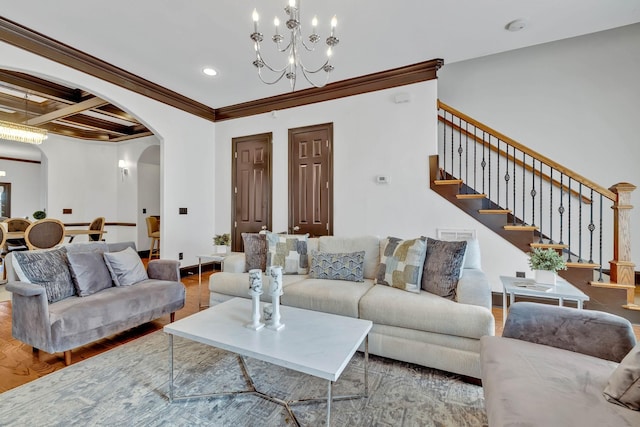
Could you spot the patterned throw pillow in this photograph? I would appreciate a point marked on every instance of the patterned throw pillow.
(289, 252)
(48, 269)
(338, 266)
(401, 264)
(443, 267)
(255, 251)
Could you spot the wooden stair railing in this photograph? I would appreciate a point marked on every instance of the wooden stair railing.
(563, 209)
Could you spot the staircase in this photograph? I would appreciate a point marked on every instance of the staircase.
(532, 201)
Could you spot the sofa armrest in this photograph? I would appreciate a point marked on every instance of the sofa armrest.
(594, 333)
(30, 315)
(234, 263)
(164, 269)
(474, 288)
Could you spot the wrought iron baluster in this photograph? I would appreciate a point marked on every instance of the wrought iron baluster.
(524, 187)
(460, 151)
(591, 228)
(600, 260)
(533, 192)
(497, 171)
(452, 132)
(541, 206)
(514, 186)
(550, 204)
(466, 156)
(506, 181)
(475, 158)
(444, 142)
(561, 207)
(484, 163)
(569, 230)
(580, 225)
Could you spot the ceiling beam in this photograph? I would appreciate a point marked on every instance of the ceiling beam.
(39, 44)
(99, 124)
(67, 111)
(40, 87)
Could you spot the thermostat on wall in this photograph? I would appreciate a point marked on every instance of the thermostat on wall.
(382, 179)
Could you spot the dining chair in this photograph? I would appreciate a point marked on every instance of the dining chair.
(16, 224)
(96, 224)
(3, 240)
(45, 233)
(153, 231)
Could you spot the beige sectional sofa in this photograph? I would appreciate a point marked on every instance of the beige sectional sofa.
(421, 328)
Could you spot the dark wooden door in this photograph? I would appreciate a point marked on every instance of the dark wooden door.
(311, 180)
(251, 187)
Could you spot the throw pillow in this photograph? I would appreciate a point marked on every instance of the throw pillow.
(255, 251)
(126, 267)
(289, 252)
(401, 263)
(624, 383)
(89, 272)
(337, 266)
(48, 269)
(442, 267)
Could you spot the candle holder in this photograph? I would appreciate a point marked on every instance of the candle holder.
(255, 290)
(276, 290)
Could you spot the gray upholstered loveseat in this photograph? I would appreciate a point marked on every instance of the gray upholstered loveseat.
(75, 320)
(551, 366)
(421, 328)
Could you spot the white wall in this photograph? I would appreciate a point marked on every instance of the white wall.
(187, 155)
(372, 136)
(575, 101)
(25, 180)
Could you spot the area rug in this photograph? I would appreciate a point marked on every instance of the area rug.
(128, 386)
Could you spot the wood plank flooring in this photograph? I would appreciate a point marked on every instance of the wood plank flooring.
(19, 365)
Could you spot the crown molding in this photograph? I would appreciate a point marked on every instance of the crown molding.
(39, 44)
(401, 76)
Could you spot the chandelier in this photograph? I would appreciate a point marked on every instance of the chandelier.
(22, 133)
(293, 48)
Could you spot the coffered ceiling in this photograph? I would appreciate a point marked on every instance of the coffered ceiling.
(168, 43)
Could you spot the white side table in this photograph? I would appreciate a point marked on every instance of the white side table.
(209, 257)
(561, 291)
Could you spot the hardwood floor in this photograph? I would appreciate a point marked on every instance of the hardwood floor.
(19, 365)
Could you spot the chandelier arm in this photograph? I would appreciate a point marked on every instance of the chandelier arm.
(273, 82)
(275, 70)
(306, 77)
(307, 70)
(309, 49)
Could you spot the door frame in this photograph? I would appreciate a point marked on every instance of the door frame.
(291, 133)
(268, 137)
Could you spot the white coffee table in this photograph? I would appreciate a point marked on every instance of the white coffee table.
(561, 291)
(314, 343)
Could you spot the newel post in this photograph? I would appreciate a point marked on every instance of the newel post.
(622, 269)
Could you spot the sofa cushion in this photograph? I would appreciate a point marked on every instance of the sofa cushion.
(337, 266)
(89, 272)
(385, 305)
(126, 267)
(289, 252)
(443, 267)
(369, 244)
(255, 250)
(528, 384)
(100, 247)
(623, 387)
(47, 268)
(237, 284)
(329, 296)
(401, 263)
(472, 257)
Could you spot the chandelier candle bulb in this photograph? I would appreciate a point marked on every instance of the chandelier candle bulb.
(255, 17)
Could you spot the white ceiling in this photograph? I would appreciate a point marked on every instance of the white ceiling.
(170, 41)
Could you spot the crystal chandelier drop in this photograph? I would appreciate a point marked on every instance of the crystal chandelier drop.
(21, 132)
(293, 48)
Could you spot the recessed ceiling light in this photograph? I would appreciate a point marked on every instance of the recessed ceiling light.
(209, 71)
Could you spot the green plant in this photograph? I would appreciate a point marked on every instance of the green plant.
(222, 239)
(39, 215)
(546, 259)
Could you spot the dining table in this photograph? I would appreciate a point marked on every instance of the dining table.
(71, 233)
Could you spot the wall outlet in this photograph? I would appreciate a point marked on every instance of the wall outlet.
(180, 255)
(182, 211)
(520, 274)
(144, 210)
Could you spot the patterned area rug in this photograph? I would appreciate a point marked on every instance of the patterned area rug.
(128, 386)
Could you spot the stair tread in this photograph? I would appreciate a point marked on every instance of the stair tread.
(635, 307)
(447, 181)
(549, 245)
(494, 211)
(471, 196)
(521, 227)
(582, 265)
(611, 285)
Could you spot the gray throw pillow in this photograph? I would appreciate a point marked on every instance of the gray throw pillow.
(48, 269)
(255, 251)
(337, 266)
(126, 267)
(442, 267)
(89, 272)
(624, 383)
